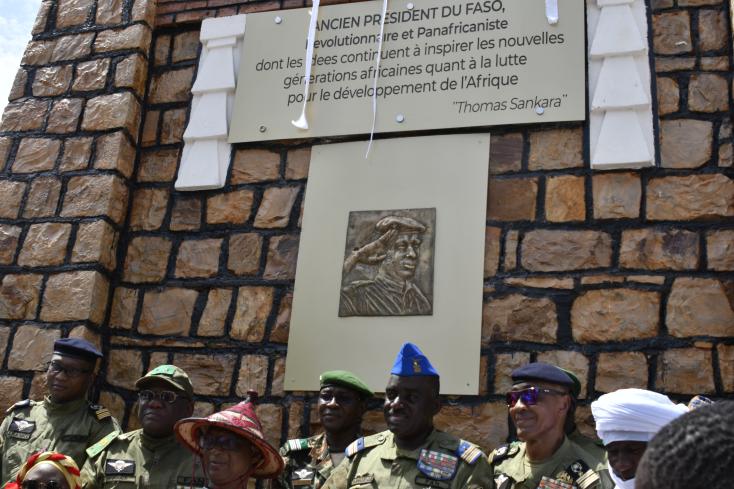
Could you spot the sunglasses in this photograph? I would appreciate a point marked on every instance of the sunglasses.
(40, 485)
(164, 396)
(230, 443)
(529, 396)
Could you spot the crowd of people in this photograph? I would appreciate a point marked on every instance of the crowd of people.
(646, 441)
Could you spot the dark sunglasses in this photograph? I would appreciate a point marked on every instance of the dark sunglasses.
(230, 443)
(164, 396)
(529, 396)
(40, 485)
(56, 368)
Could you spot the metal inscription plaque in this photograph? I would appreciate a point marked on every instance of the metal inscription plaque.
(442, 65)
(388, 263)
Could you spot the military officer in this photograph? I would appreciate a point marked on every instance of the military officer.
(149, 457)
(65, 421)
(342, 402)
(411, 453)
(544, 457)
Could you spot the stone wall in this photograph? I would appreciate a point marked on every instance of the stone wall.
(626, 277)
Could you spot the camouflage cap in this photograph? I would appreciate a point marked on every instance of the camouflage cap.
(345, 379)
(170, 374)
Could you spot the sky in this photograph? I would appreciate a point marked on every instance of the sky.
(16, 22)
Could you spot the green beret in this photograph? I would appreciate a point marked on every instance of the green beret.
(345, 379)
(576, 387)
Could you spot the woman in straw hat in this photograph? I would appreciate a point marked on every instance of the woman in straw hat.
(47, 470)
(231, 446)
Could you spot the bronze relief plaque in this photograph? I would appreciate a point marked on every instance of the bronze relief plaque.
(388, 263)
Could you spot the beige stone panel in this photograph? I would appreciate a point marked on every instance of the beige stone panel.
(271, 416)
(136, 36)
(162, 50)
(700, 306)
(505, 153)
(255, 165)
(92, 336)
(541, 282)
(91, 75)
(604, 315)
(186, 214)
(150, 128)
(621, 370)
(185, 46)
(229, 208)
(42, 17)
(214, 317)
(64, 117)
(712, 31)
(36, 155)
(9, 237)
(692, 197)
(171, 86)
(492, 238)
(75, 296)
(654, 249)
(43, 198)
(512, 199)
(279, 333)
(96, 241)
(685, 371)
(519, 318)
(198, 258)
(158, 166)
(253, 375)
(672, 33)
(96, 195)
(11, 194)
(551, 250)
(25, 115)
(124, 368)
(18, 89)
(210, 375)
(295, 418)
(720, 250)
(11, 390)
(297, 164)
(52, 81)
(144, 11)
(124, 303)
(244, 253)
(173, 126)
(147, 258)
(75, 46)
(484, 424)
(109, 12)
(5, 144)
(131, 73)
(504, 364)
(282, 256)
(45, 245)
(149, 208)
(726, 366)
(77, 152)
(19, 296)
(556, 149)
(512, 240)
(708, 93)
(32, 347)
(574, 361)
(167, 312)
(72, 12)
(685, 143)
(668, 95)
(119, 110)
(616, 195)
(253, 308)
(275, 207)
(564, 199)
(114, 152)
(114, 403)
(277, 387)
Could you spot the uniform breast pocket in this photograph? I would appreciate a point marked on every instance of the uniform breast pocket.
(121, 474)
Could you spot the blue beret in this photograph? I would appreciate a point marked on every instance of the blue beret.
(544, 372)
(77, 347)
(411, 362)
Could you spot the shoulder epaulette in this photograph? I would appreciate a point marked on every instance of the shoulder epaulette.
(581, 474)
(98, 447)
(364, 442)
(469, 452)
(503, 452)
(100, 412)
(18, 405)
(294, 445)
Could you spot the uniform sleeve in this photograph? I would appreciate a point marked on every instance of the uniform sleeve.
(339, 478)
(480, 476)
(91, 473)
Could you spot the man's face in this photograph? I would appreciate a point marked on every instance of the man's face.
(340, 409)
(402, 257)
(226, 456)
(68, 378)
(45, 473)
(410, 405)
(624, 457)
(546, 417)
(157, 415)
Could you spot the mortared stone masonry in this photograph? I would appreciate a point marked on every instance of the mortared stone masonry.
(625, 277)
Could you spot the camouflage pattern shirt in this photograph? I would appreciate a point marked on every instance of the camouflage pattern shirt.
(307, 463)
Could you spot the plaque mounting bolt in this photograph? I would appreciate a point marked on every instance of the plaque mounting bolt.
(539, 110)
(410, 6)
(278, 19)
(263, 128)
(400, 118)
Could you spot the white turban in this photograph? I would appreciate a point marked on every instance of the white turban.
(633, 415)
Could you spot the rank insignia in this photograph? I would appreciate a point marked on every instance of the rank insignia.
(120, 467)
(548, 483)
(437, 465)
(303, 474)
(21, 429)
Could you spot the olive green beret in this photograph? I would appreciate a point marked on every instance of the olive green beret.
(345, 379)
(576, 387)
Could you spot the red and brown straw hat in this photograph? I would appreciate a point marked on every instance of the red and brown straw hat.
(241, 420)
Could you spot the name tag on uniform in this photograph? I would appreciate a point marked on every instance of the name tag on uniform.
(74, 438)
(119, 467)
(548, 483)
(422, 480)
(437, 465)
(363, 479)
(21, 429)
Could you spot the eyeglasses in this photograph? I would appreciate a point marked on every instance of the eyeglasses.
(164, 396)
(40, 485)
(529, 396)
(56, 368)
(230, 443)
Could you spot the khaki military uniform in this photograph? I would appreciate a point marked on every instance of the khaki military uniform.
(69, 428)
(307, 463)
(594, 447)
(442, 462)
(571, 466)
(134, 460)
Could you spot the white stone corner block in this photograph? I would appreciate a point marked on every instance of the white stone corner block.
(621, 142)
(619, 85)
(216, 71)
(208, 117)
(217, 28)
(194, 176)
(617, 33)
